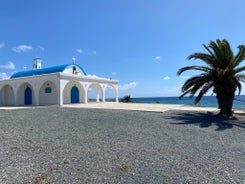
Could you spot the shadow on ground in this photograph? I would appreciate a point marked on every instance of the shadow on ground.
(207, 119)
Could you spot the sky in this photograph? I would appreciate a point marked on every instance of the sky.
(140, 43)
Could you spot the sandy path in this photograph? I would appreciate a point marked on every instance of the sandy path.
(141, 106)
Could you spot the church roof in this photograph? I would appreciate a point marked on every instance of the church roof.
(53, 69)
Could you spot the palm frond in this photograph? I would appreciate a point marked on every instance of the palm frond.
(240, 77)
(203, 91)
(240, 69)
(200, 84)
(217, 51)
(204, 57)
(223, 52)
(239, 85)
(200, 68)
(183, 94)
(194, 84)
(189, 83)
(209, 51)
(240, 55)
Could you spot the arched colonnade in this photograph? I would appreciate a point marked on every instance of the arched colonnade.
(53, 90)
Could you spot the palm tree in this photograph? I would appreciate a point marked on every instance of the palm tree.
(127, 99)
(222, 73)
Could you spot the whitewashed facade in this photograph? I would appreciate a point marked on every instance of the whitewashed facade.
(58, 85)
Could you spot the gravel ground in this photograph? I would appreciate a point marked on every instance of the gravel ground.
(65, 145)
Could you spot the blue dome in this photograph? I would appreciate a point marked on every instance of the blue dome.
(54, 69)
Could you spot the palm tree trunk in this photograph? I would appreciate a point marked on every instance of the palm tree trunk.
(225, 104)
(225, 96)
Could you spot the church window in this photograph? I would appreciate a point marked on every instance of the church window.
(48, 90)
(74, 70)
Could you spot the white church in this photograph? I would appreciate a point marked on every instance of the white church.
(57, 85)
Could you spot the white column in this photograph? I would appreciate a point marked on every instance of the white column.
(35, 91)
(85, 86)
(61, 87)
(103, 94)
(60, 96)
(36, 97)
(15, 95)
(86, 96)
(3, 97)
(117, 95)
(97, 95)
(16, 86)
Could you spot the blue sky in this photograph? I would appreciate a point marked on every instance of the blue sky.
(141, 43)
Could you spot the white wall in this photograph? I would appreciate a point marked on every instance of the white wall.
(48, 98)
(69, 70)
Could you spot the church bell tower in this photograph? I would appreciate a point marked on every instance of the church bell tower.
(36, 64)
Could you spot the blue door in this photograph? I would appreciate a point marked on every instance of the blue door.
(28, 96)
(74, 95)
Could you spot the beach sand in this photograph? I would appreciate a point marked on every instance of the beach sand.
(151, 107)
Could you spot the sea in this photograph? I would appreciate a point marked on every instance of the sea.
(206, 101)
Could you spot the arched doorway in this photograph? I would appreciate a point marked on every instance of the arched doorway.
(28, 96)
(110, 93)
(95, 93)
(74, 94)
(7, 95)
(25, 94)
